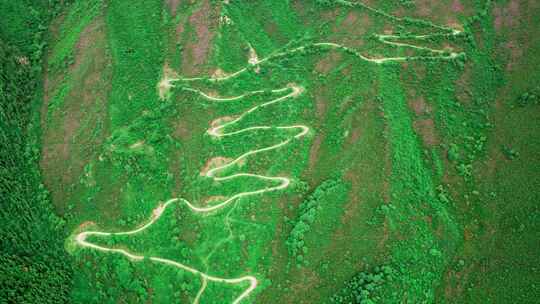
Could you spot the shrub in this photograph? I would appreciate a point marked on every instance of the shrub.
(360, 289)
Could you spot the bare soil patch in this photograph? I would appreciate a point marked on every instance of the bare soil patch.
(329, 62)
(219, 73)
(321, 105)
(424, 7)
(165, 84)
(354, 175)
(426, 129)
(442, 12)
(175, 169)
(197, 49)
(69, 137)
(173, 6)
(457, 7)
(212, 200)
(516, 53)
(201, 21)
(351, 208)
(90, 34)
(220, 121)
(307, 279)
(350, 19)
(351, 32)
(419, 106)
(386, 191)
(214, 163)
(506, 16)
(179, 30)
(354, 136)
(508, 21)
(463, 93)
(182, 129)
(330, 14)
(314, 151)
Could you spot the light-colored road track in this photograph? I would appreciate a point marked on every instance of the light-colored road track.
(218, 131)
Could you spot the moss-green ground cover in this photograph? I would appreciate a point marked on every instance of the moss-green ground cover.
(414, 182)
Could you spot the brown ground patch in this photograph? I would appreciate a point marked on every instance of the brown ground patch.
(423, 123)
(321, 105)
(197, 48)
(201, 21)
(516, 52)
(173, 6)
(214, 163)
(329, 62)
(495, 155)
(424, 7)
(219, 73)
(508, 19)
(387, 190)
(463, 93)
(175, 169)
(179, 30)
(211, 200)
(165, 84)
(460, 278)
(506, 16)
(137, 144)
(351, 208)
(442, 12)
(426, 129)
(322, 96)
(182, 129)
(272, 29)
(309, 280)
(457, 7)
(86, 225)
(69, 138)
(222, 120)
(90, 34)
(351, 32)
(419, 106)
(354, 136)
(481, 250)
(314, 151)
(350, 19)
(355, 176)
(365, 178)
(330, 14)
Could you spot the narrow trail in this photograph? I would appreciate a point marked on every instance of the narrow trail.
(217, 132)
(291, 91)
(80, 239)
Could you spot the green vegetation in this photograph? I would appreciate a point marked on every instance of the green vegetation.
(529, 98)
(269, 151)
(330, 192)
(33, 261)
(360, 288)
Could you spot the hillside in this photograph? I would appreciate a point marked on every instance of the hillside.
(270, 151)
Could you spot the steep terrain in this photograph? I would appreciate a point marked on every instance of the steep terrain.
(324, 151)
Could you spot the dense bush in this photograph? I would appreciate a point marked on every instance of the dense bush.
(326, 2)
(34, 267)
(531, 97)
(308, 211)
(360, 288)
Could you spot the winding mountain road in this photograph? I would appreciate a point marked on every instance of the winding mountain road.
(290, 92)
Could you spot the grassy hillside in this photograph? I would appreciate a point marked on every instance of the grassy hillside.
(324, 151)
